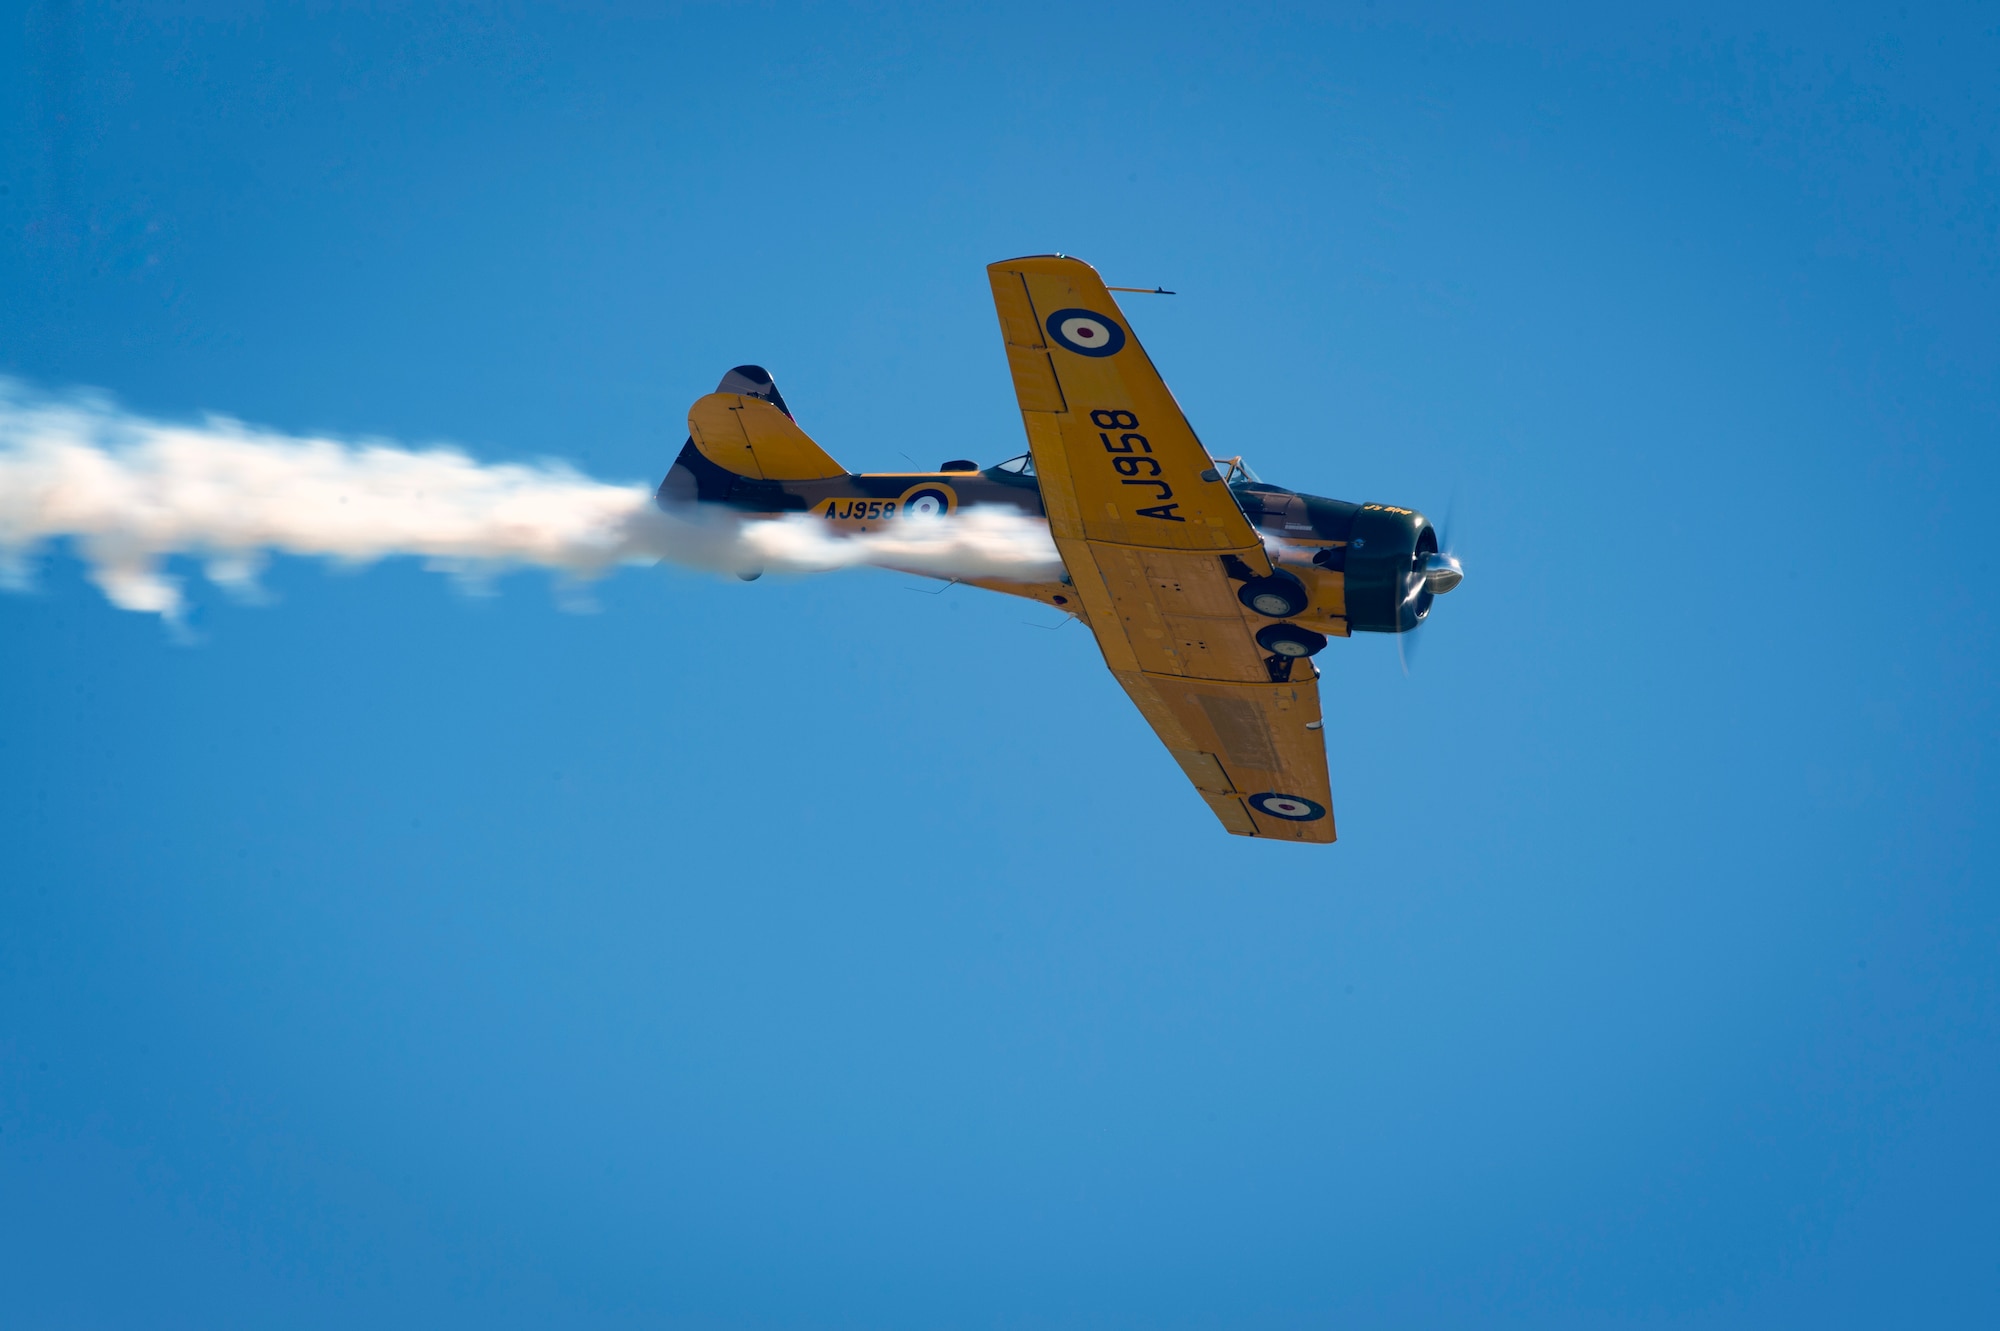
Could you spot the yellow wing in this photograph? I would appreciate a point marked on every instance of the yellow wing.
(1141, 477)
(1253, 750)
(1149, 532)
(752, 438)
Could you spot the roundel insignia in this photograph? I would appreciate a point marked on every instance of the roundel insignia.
(1292, 808)
(927, 501)
(1086, 333)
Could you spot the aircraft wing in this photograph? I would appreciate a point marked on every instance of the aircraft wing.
(1150, 533)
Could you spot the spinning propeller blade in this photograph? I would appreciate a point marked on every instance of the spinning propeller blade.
(1438, 574)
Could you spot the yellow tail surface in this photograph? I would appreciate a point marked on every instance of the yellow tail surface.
(752, 438)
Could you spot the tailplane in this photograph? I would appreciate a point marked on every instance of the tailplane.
(742, 445)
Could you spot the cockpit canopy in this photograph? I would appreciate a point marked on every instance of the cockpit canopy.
(1023, 465)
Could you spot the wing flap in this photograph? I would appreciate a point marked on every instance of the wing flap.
(1202, 769)
(1231, 813)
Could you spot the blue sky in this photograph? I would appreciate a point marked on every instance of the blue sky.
(815, 953)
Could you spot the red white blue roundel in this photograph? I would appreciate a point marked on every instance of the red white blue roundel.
(1292, 808)
(927, 501)
(1085, 333)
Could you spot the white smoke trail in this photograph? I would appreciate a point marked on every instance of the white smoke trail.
(129, 492)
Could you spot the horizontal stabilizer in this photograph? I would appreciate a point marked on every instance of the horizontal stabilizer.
(752, 437)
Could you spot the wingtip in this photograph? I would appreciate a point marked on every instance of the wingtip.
(1041, 263)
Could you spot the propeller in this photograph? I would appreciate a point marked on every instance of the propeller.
(1433, 573)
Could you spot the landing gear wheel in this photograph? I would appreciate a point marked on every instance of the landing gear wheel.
(1290, 640)
(1277, 597)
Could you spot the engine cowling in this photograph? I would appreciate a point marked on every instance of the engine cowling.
(1389, 557)
(1388, 582)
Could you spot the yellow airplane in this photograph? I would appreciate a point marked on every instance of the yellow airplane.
(1209, 590)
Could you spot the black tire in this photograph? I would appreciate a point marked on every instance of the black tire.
(1290, 640)
(1279, 596)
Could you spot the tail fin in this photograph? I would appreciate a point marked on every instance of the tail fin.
(742, 442)
(754, 381)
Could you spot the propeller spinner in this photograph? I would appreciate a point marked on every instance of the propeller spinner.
(1432, 573)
